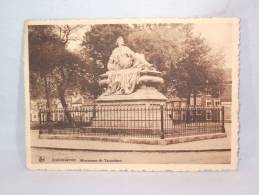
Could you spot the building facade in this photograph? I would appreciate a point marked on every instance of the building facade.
(74, 101)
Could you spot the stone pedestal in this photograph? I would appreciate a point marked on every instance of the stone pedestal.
(144, 95)
(145, 92)
(138, 110)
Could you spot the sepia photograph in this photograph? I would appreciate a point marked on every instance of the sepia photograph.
(132, 94)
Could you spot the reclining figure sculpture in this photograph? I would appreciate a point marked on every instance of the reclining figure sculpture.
(127, 70)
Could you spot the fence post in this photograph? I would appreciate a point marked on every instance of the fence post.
(94, 111)
(39, 120)
(162, 133)
(223, 119)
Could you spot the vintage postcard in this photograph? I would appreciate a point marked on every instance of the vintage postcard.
(132, 94)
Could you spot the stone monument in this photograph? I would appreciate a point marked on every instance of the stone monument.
(130, 79)
(130, 89)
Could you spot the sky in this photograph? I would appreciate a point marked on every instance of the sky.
(75, 45)
(220, 37)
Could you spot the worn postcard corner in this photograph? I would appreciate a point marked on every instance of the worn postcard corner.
(132, 94)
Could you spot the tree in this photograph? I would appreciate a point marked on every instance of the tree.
(98, 44)
(42, 41)
(158, 42)
(58, 68)
(187, 63)
(197, 68)
(160, 45)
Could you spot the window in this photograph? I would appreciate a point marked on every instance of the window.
(198, 101)
(192, 101)
(208, 103)
(208, 115)
(217, 102)
(56, 117)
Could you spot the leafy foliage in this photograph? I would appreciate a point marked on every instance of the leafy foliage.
(197, 68)
(97, 47)
(188, 64)
(186, 61)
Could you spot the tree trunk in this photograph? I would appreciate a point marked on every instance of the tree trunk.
(188, 115)
(48, 103)
(194, 104)
(194, 97)
(65, 107)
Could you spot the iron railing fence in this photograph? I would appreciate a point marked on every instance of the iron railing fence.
(133, 120)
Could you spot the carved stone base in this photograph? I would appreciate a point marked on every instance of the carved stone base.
(138, 116)
(146, 95)
(139, 110)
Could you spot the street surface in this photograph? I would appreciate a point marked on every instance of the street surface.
(85, 151)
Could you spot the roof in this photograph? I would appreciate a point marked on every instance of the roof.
(78, 101)
(176, 99)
